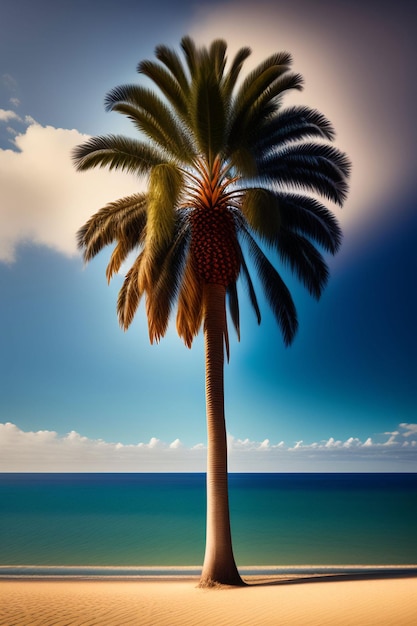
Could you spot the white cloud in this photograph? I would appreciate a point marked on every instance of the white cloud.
(6, 116)
(46, 451)
(352, 441)
(42, 198)
(410, 429)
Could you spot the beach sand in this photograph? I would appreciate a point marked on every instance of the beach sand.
(308, 601)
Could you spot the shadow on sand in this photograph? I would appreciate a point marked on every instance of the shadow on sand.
(369, 574)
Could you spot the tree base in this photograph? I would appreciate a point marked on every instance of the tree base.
(211, 583)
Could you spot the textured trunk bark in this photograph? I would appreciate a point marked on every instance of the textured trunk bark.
(219, 563)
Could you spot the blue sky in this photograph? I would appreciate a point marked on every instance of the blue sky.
(77, 392)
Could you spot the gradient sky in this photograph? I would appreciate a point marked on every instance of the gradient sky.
(78, 393)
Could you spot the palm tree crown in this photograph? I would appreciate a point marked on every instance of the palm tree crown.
(225, 166)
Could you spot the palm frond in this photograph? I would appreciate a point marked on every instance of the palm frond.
(116, 152)
(317, 167)
(267, 107)
(233, 302)
(232, 75)
(118, 256)
(305, 260)
(243, 160)
(129, 295)
(280, 62)
(207, 112)
(123, 219)
(275, 290)
(260, 207)
(164, 291)
(151, 116)
(269, 100)
(252, 88)
(148, 125)
(307, 216)
(172, 61)
(192, 54)
(165, 183)
(217, 55)
(292, 124)
(164, 189)
(250, 288)
(190, 304)
(175, 93)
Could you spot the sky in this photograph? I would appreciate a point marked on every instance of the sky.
(78, 394)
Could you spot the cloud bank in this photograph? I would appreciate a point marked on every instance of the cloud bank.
(43, 199)
(46, 451)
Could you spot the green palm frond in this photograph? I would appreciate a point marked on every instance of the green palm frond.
(148, 124)
(116, 152)
(151, 116)
(164, 190)
(217, 57)
(192, 54)
(177, 94)
(165, 185)
(208, 112)
(172, 61)
(232, 75)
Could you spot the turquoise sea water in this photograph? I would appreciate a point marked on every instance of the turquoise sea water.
(159, 519)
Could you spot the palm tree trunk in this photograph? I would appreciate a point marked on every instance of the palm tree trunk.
(219, 563)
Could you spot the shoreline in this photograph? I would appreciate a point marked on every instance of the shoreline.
(191, 572)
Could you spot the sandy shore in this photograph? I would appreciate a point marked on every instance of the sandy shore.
(322, 601)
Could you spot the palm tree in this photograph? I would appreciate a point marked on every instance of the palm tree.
(230, 174)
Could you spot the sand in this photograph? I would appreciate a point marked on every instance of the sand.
(337, 601)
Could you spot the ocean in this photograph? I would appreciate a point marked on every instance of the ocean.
(156, 522)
